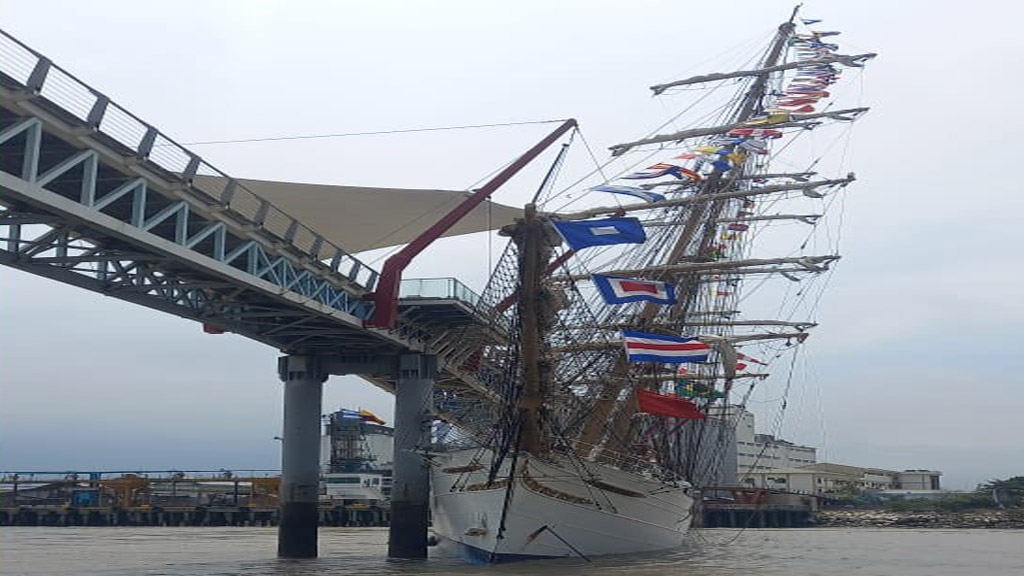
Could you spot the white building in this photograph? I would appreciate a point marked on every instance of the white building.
(756, 452)
(800, 480)
(370, 488)
(825, 478)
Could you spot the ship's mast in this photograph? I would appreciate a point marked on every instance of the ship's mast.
(597, 431)
(753, 98)
(535, 318)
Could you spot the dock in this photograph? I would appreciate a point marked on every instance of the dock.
(201, 498)
(346, 515)
(743, 507)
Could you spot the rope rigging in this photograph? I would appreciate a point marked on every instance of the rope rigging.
(366, 133)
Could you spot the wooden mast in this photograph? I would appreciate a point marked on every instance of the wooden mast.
(536, 312)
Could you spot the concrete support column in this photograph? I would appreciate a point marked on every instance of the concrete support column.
(300, 456)
(410, 493)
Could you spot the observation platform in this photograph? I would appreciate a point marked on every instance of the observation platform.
(449, 314)
(440, 301)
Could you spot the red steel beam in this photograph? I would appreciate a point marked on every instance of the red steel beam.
(385, 298)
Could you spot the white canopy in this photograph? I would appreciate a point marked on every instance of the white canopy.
(358, 218)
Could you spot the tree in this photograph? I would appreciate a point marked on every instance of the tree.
(1009, 492)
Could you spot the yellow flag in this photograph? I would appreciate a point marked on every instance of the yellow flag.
(737, 158)
(707, 149)
(774, 118)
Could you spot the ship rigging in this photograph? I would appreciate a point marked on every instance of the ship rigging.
(621, 344)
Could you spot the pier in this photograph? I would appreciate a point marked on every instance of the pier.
(742, 507)
(340, 515)
(199, 498)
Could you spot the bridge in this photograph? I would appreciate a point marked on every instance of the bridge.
(95, 197)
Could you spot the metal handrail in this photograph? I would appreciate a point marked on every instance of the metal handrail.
(38, 75)
(445, 288)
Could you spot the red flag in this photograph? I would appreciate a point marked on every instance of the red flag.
(662, 405)
(634, 286)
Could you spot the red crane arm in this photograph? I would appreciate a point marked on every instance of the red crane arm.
(385, 298)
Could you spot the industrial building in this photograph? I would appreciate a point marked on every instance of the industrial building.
(356, 457)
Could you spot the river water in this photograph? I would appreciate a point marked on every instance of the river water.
(26, 551)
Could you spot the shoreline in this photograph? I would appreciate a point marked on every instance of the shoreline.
(987, 518)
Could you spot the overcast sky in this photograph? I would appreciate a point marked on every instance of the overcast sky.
(913, 365)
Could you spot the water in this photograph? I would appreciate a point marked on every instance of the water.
(360, 551)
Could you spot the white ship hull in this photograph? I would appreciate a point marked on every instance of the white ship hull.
(552, 512)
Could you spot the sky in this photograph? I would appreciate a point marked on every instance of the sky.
(913, 365)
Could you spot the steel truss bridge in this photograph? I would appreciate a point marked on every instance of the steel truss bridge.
(93, 196)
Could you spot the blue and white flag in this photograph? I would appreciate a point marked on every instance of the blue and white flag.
(621, 290)
(641, 193)
(642, 347)
(587, 233)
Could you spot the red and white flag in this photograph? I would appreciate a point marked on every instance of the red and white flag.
(620, 290)
(643, 347)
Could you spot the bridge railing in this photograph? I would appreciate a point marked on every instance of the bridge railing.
(77, 102)
(438, 288)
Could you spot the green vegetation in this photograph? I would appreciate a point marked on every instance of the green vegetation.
(1007, 493)
(949, 503)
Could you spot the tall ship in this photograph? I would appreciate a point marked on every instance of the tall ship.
(617, 342)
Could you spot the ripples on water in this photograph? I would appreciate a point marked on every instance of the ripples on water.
(361, 551)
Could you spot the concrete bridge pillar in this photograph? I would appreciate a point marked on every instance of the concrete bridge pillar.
(300, 456)
(410, 494)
